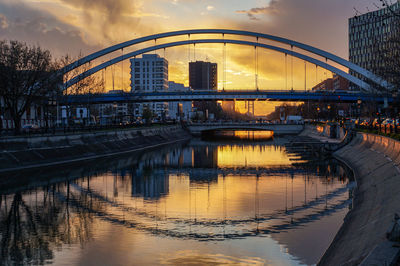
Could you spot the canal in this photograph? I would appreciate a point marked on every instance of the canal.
(232, 198)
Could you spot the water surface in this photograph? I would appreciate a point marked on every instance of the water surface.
(203, 202)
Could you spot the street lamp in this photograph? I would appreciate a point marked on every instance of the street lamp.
(329, 112)
(359, 102)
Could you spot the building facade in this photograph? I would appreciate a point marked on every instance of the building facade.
(179, 110)
(203, 75)
(34, 114)
(336, 83)
(149, 74)
(369, 33)
(114, 112)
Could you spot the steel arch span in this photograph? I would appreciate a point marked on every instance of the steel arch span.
(363, 72)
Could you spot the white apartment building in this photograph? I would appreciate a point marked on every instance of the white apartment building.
(150, 74)
(179, 110)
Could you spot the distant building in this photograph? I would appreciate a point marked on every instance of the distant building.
(149, 74)
(332, 84)
(111, 112)
(229, 106)
(368, 33)
(34, 114)
(179, 110)
(325, 85)
(203, 75)
(340, 83)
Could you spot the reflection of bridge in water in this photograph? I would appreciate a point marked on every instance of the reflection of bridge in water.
(236, 171)
(202, 229)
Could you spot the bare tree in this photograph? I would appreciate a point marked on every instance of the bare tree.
(90, 84)
(27, 76)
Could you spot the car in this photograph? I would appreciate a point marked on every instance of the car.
(29, 128)
(387, 121)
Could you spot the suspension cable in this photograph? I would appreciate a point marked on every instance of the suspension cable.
(286, 77)
(189, 48)
(305, 75)
(256, 48)
(122, 77)
(255, 67)
(326, 71)
(291, 58)
(223, 64)
(105, 79)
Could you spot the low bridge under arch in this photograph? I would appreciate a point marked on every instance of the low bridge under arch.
(197, 129)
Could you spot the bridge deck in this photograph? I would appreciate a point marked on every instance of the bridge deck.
(226, 96)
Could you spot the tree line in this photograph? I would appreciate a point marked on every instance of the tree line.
(30, 75)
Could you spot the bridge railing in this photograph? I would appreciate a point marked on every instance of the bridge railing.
(258, 123)
(381, 128)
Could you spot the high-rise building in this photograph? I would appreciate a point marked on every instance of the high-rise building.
(203, 75)
(369, 33)
(149, 74)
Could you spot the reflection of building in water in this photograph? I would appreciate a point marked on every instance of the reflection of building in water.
(179, 158)
(205, 156)
(150, 185)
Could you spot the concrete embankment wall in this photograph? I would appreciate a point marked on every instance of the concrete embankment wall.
(25, 152)
(375, 161)
(331, 131)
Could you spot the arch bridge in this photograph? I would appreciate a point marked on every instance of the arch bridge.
(302, 52)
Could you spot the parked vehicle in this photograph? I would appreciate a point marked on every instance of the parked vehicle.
(387, 121)
(30, 128)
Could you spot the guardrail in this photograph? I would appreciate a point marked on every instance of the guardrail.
(385, 129)
(45, 131)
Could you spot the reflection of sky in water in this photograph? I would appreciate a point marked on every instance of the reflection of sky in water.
(201, 204)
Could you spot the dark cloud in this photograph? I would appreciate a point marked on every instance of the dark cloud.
(20, 22)
(111, 9)
(111, 15)
(322, 23)
(272, 8)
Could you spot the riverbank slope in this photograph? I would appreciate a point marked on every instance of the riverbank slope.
(375, 161)
(21, 153)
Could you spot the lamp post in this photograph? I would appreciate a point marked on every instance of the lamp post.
(359, 102)
(329, 112)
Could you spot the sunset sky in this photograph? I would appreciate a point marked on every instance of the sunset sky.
(84, 26)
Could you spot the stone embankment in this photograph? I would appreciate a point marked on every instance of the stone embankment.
(20, 153)
(364, 237)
